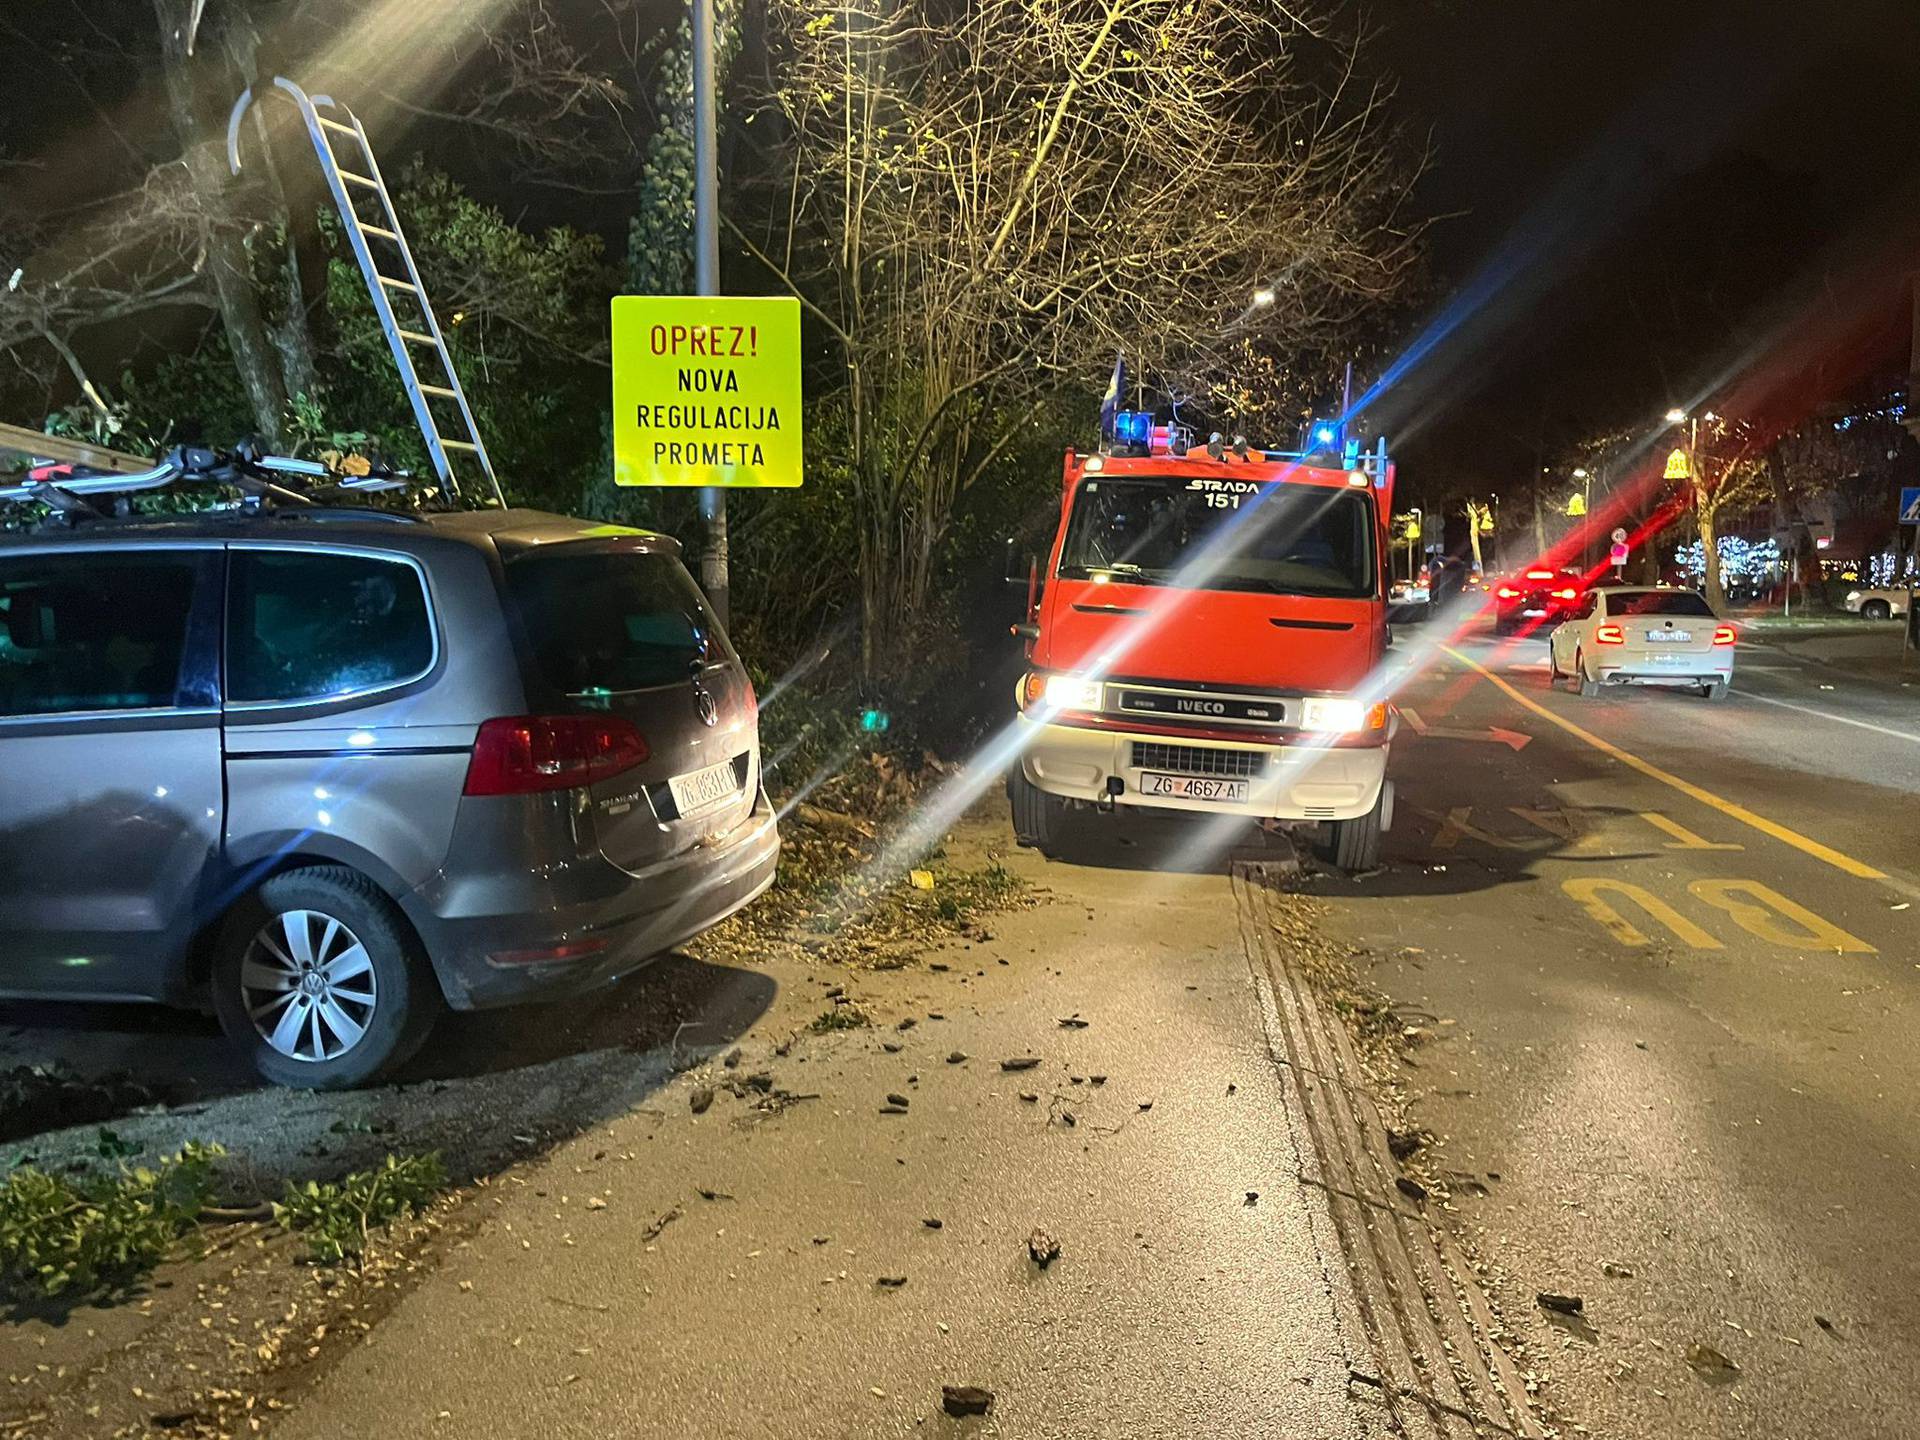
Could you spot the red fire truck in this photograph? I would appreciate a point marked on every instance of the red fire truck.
(1209, 636)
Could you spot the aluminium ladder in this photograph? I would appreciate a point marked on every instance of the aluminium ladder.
(452, 430)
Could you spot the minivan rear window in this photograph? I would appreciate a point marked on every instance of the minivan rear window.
(606, 621)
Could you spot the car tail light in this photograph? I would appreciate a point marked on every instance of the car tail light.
(1725, 635)
(1539, 574)
(1566, 594)
(1609, 635)
(1507, 592)
(525, 754)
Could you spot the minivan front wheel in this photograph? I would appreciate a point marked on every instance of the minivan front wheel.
(320, 983)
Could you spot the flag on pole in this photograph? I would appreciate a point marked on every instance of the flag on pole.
(1116, 391)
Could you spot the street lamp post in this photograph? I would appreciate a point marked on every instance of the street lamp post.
(1585, 477)
(706, 275)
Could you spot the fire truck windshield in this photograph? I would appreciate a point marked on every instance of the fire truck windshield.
(1208, 534)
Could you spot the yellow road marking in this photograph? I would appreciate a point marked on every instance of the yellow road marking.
(1683, 838)
(1587, 892)
(1779, 832)
(1753, 907)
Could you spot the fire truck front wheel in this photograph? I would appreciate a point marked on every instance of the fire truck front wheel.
(1354, 845)
(1037, 816)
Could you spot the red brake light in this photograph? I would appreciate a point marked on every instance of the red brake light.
(525, 754)
(1566, 594)
(1725, 635)
(1507, 592)
(1539, 574)
(1609, 635)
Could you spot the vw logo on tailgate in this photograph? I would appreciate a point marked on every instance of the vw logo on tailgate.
(705, 706)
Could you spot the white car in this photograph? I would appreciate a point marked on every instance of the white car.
(1640, 635)
(1877, 604)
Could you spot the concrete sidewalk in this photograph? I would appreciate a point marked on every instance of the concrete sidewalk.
(813, 1295)
(1869, 651)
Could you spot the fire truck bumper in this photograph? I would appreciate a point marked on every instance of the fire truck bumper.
(1263, 781)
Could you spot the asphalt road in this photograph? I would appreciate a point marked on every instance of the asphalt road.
(752, 1272)
(1665, 952)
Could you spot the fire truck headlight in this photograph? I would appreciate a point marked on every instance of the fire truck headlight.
(1063, 692)
(1336, 715)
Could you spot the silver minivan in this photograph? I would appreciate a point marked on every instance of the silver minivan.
(331, 771)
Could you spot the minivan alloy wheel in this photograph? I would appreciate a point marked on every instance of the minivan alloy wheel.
(308, 985)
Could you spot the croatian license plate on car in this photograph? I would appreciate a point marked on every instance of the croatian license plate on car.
(703, 789)
(1194, 787)
(1669, 637)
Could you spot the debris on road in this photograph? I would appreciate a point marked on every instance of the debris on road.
(1145, 1105)
(1409, 1187)
(933, 1223)
(1253, 1197)
(958, 1057)
(891, 1282)
(1560, 1304)
(961, 1400)
(1031, 1097)
(652, 1232)
(701, 1099)
(1043, 1248)
(894, 1097)
(1074, 1022)
(1403, 1144)
(1020, 1062)
(1710, 1365)
(1825, 1324)
(1615, 1271)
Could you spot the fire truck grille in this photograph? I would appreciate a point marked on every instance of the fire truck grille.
(1198, 760)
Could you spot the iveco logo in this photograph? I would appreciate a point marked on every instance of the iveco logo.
(705, 707)
(1199, 707)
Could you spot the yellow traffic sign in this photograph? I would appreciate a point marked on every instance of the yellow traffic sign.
(1677, 466)
(706, 390)
(1577, 505)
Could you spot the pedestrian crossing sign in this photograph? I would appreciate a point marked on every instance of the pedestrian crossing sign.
(1910, 505)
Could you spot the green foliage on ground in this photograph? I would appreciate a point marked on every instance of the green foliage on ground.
(337, 1217)
(64, 1235)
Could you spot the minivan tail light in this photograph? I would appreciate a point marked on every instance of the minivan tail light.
(526, 754)
(1539, 574)
(1507, 592)
(1566, 594)
(1725, 635)
(1609, 635)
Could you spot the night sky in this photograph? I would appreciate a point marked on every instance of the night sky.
(1633, 189)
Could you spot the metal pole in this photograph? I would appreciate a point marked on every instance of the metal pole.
(706, 275)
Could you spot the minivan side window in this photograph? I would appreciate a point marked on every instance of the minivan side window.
(90, 632)
(309, 625)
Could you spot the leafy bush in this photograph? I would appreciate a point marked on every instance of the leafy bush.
(336, 1217)
(62, 1234)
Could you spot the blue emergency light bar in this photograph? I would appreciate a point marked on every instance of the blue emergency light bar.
(1133, 427)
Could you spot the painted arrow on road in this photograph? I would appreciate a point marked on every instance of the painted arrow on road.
(1512, 739)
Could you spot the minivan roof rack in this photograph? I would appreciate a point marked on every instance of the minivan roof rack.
(262, 479)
